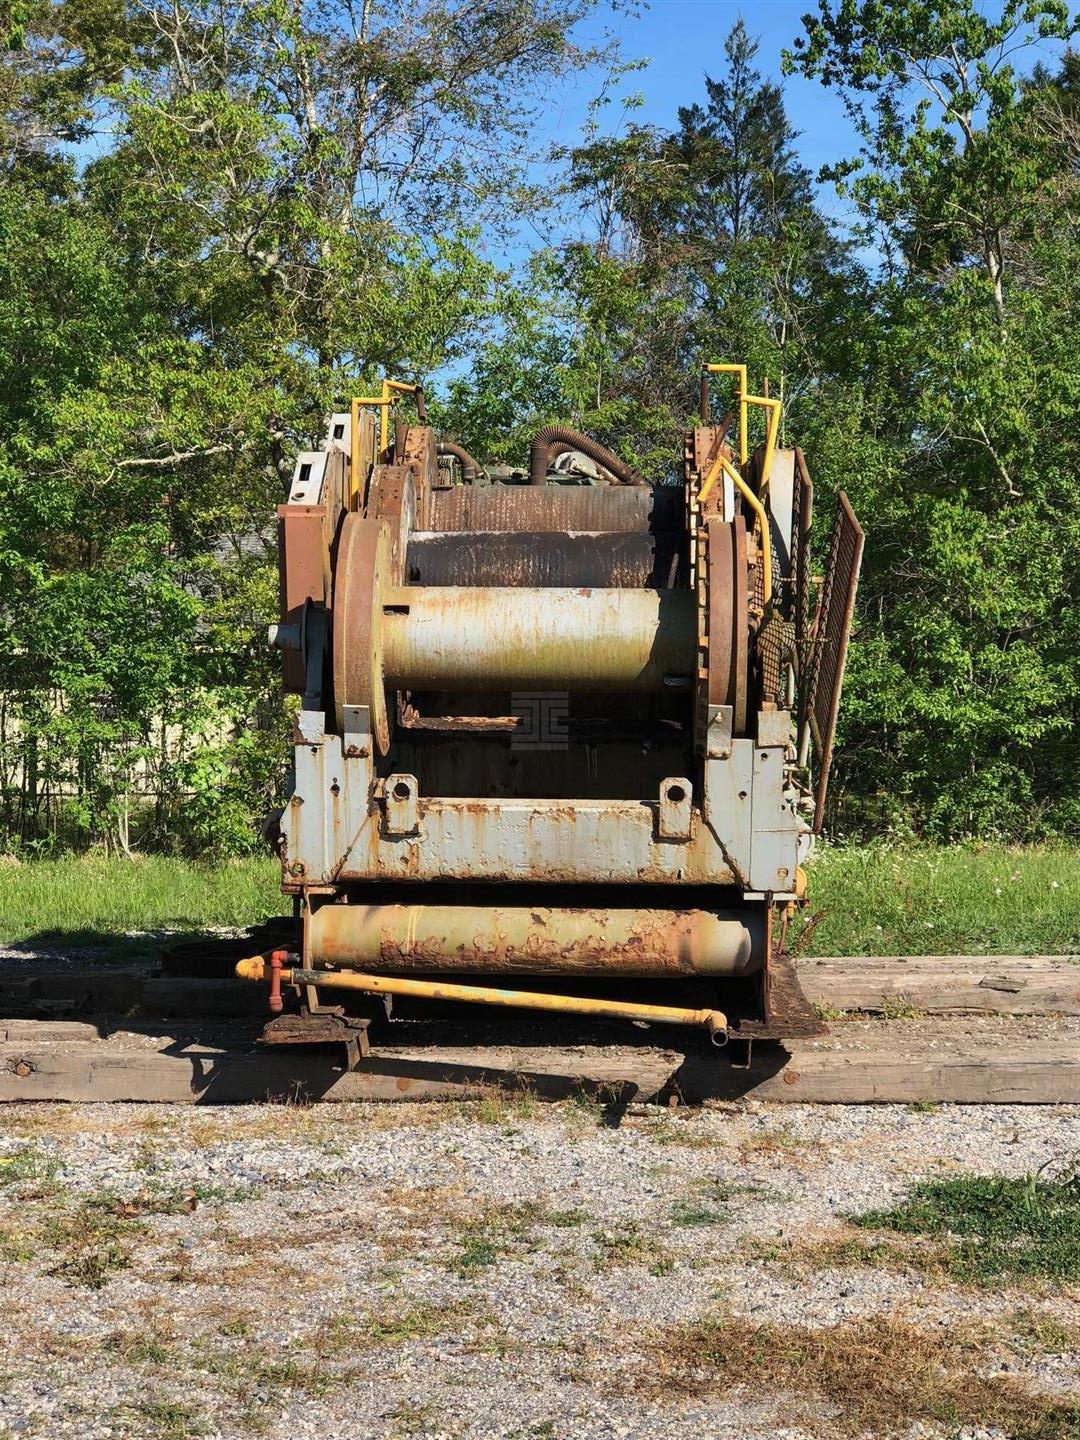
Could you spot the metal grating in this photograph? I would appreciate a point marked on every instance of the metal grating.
(829, 643)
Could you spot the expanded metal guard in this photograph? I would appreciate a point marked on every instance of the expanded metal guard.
(829, 643)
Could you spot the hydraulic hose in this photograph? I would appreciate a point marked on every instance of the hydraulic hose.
(471, 469)
(560, 447)
(540, 454)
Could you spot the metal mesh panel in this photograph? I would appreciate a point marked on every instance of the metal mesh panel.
(829, 643)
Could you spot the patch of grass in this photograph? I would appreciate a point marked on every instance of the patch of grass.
(31, 1169)
(414, 1416)
(829, 1012)
(630, 1245)
(779, 1140)
(692, 1213)
(138, 1348)
(257, 1377)
(892, 899)
(419, 1322)
(994, 1228)
(1035, 1332)
(688, 1136)
(84, 898)
(565, 1219)
(849, 1250)
(898, 1007)
(161, 1419)
(876, 1375)
(91, 1239)
(502, 1107)
(496, 1230)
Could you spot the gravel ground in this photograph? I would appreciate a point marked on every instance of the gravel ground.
(496, 1269)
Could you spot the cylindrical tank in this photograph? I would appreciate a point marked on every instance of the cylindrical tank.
(537, 940)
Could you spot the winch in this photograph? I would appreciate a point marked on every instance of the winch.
(570, 723)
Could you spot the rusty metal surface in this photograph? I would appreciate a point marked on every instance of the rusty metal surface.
(332, 830)
(471, 469)
(829, 644)
(544, 440)
(363, 560)
(392, 497)
(787, 1011)
(513, 601)
(728, 620)
(415, 448)
(544, 558)
(538, 940)
(622, 508)
(328, 1028)
(483, 638)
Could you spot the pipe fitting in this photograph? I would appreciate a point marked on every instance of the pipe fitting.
(471, 469)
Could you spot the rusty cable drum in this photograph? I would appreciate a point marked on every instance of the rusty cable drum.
(620, 560)
(729, 626)
(363, 563)
(558, 508)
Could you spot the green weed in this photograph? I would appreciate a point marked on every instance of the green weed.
(911, 899)
(994, 1228)
(81, 899)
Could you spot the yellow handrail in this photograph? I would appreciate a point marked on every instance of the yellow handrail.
(255, 967)
(722, 463)
(390, 389)
(740, 371)
(766, 402)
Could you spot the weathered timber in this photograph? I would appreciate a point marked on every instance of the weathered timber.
(141, 1069)
(934, 984)
(120, 992)
(940, 984)
(895, 1064)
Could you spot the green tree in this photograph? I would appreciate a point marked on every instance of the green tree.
(962, 714)
(269, 204)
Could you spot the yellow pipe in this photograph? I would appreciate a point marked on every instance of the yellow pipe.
(383, 403)
(771, 431)
(740, 371)
(722, 463)
(715, 1021)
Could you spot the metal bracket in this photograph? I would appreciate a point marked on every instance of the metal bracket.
(400, 805)
(676, 808)
(356, 732)
(718, 735)
(773, 729)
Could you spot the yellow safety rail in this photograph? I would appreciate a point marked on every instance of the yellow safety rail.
(256, 967)
(722, 463)
(768, 404)
(390, 391)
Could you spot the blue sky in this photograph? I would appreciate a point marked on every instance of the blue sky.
(683, 42)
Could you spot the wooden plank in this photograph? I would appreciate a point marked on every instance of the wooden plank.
(941, 984)
(1030, 1072)
(48, 1031)
(854, 1069)
(146, 1070)
(119, 992)
(933, 984)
